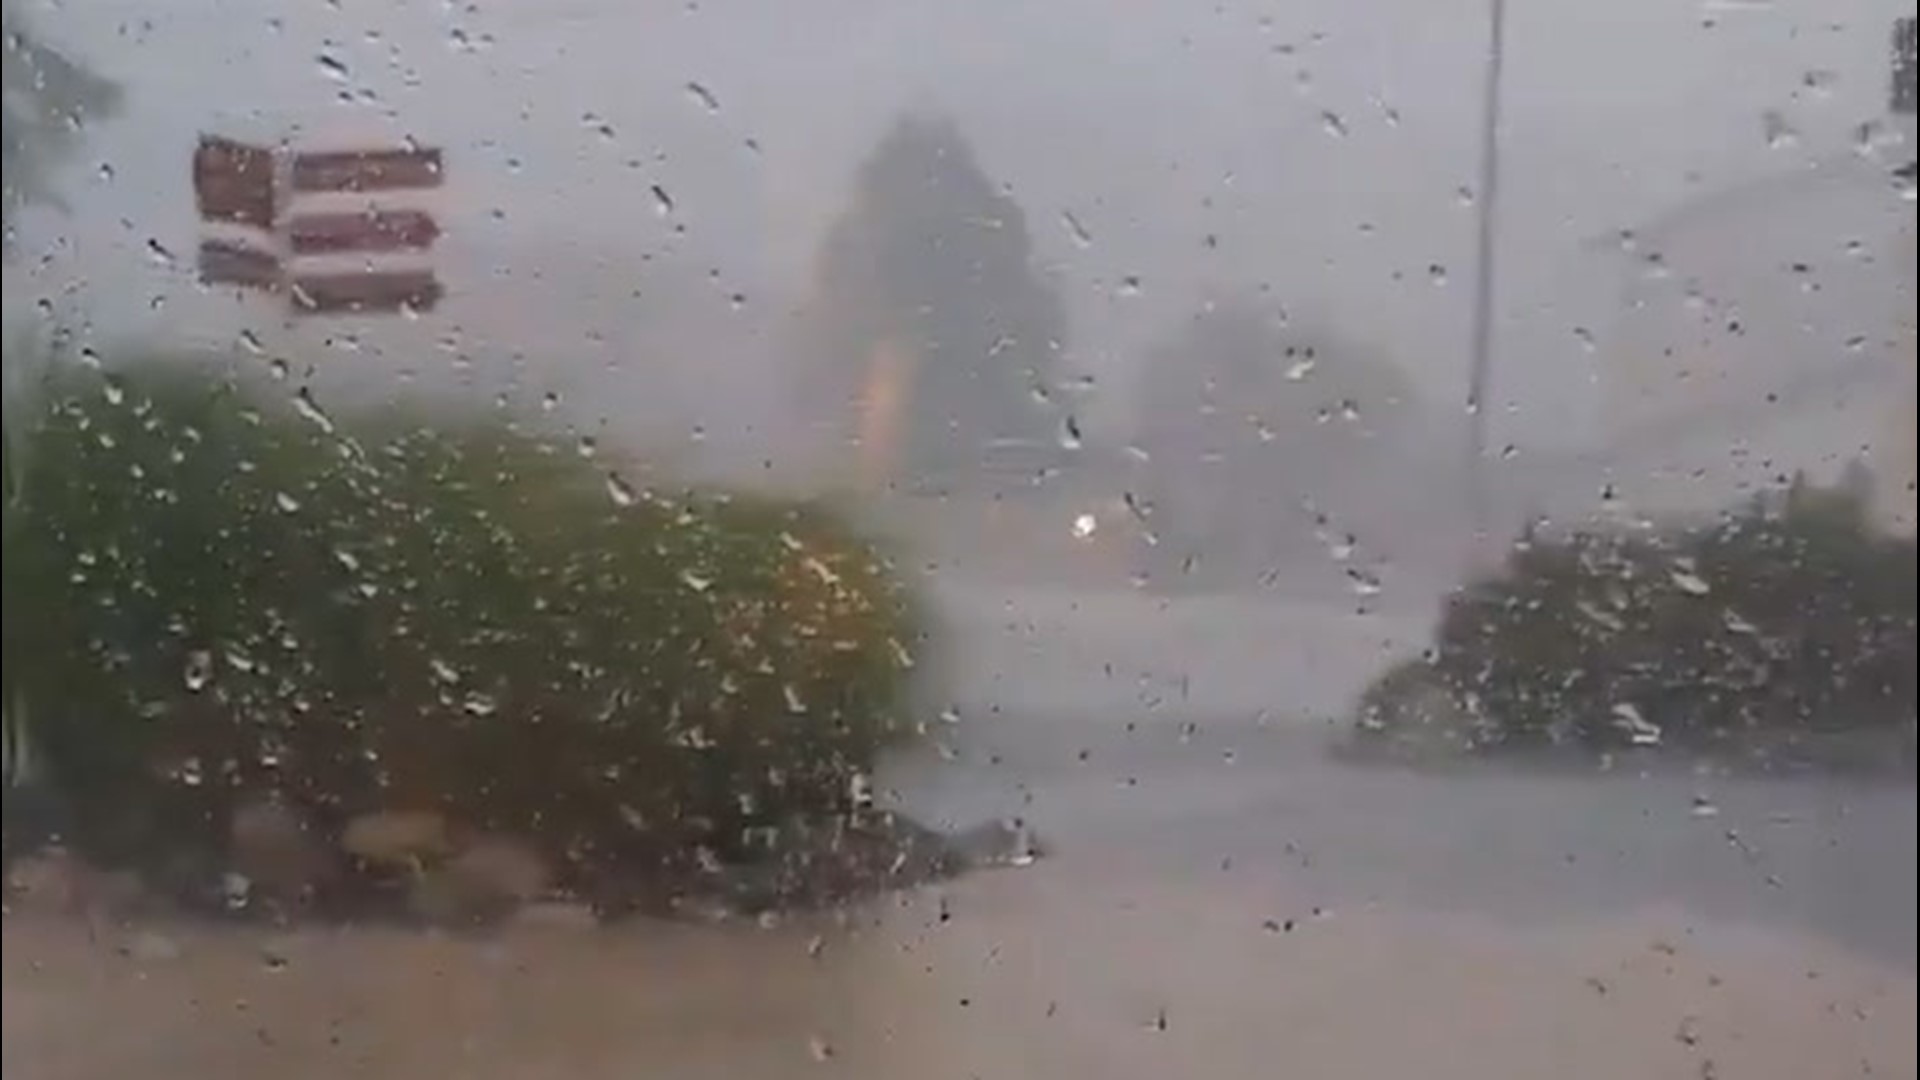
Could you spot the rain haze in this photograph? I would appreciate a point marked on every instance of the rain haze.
(1144, 334)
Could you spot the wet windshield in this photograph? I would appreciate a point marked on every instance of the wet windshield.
(894, 538)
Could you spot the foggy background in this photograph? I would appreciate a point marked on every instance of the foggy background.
(1211, 483)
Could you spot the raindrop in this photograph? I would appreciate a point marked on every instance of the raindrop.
(1780, 134)
(158, 253)
(114, 391)
(1585, 337)
(311, 412)
(1084, 526)
(333, 67)
(1069, 433)
(1301, 367)
(105, 172)
(694, 581)
(1331, 122)
(1689, 582)
(1703, 807)
(250, 341)
(621, 492)
(199, 670)
(550, 401)
(1463, 195)
(586, 447)
(703, 96)
(237, 888)
(1130, 285)
(819, 1048)
(1075, 229)
(1362, 583)
(479, 705)
(1437, 273)
(662, 202)
(443, 671)
(1640, 731)
(278, 368)
(287, 503)
(1820, 80)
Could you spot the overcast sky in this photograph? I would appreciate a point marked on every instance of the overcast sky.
(1329, 146)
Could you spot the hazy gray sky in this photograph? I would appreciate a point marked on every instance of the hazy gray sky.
(1329, 146)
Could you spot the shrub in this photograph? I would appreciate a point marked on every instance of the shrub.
(221, 592)
(1787, 618)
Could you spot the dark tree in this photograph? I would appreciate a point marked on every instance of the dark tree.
(926, 281)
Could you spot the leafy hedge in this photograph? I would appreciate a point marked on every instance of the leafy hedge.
(1790, 618)
(214, 591)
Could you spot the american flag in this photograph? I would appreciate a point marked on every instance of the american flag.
(335, 231)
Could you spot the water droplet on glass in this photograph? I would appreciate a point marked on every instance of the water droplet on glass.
(237, 888)
(1585, 337)
(1640, 731)
(158, 253)
(1780, 134)
(703, 96)
(287, 503)
(1689, 582)
(662, 202)
(332, 67)
(1075, 229)
(1084, 526)
(1069, 433)
(443, 671)
(310, 411)
(621, 492)
(1129, 286)
(819, 1048)
(1331, 122)
(199, 670)
(114, 391)
(695, 581)
(1436, 273)
(1703, 807)
(1463, 195)
(250, 341)
(479, 705)
(586, 447)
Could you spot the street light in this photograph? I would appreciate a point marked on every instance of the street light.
(1480, 372)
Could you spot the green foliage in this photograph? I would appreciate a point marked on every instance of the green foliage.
(1790, 617)
(212, 591)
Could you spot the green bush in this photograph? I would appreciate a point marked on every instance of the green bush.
(1790, 617)
(214, 591)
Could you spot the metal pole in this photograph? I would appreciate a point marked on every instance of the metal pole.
(1479, 374)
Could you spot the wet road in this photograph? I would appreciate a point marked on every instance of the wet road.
(1224, 900)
